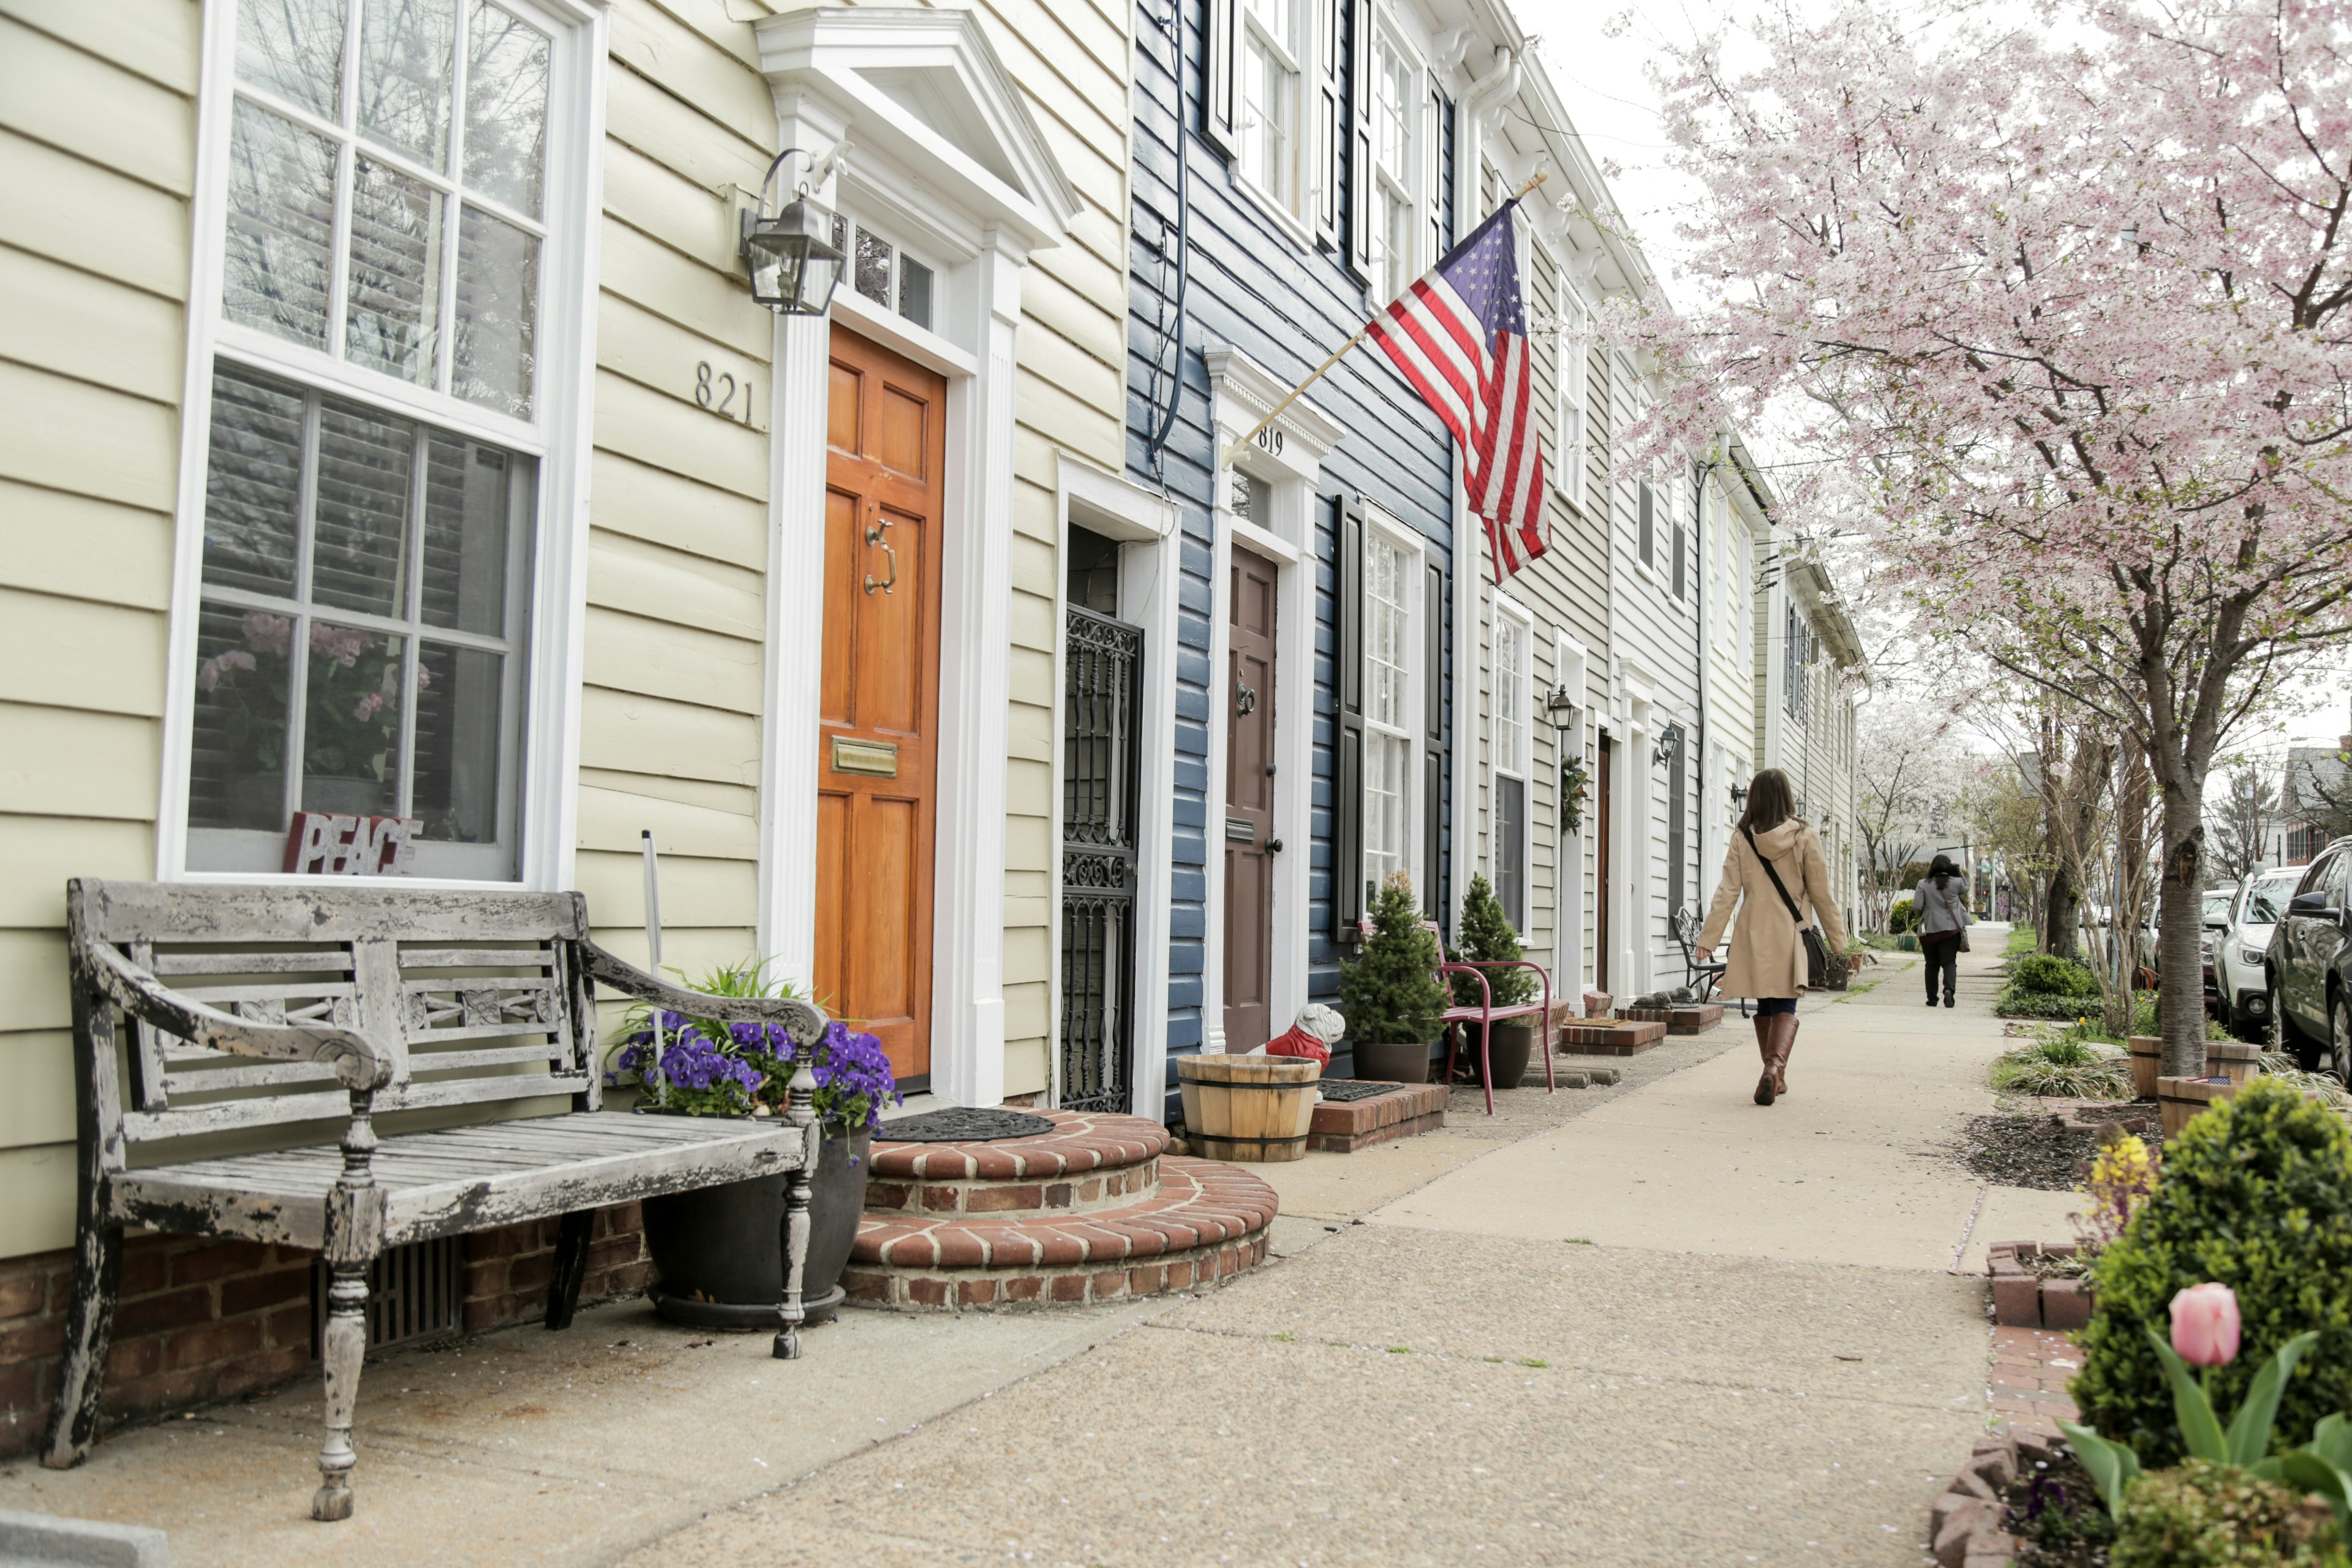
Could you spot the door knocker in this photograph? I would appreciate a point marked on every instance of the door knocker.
(1246, 699)
(874, 536)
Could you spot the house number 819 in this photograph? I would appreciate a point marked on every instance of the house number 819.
(716, 391)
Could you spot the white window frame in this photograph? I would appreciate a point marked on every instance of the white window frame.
(1251, 34)
(1382, 531)
(1509, 610)
(1575, 382)
(1395, 271)
(558, 435)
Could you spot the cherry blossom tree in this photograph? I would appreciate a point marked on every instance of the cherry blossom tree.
(2069, 304)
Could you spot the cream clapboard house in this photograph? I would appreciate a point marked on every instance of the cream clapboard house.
(398, 397)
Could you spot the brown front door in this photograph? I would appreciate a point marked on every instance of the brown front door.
(1601, 814)
(878, 740)
(1249, 805)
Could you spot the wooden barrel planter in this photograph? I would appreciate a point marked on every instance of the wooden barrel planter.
(1248, 1108)
(2182, 1098)
(2233, 1060)
(2147, 1065)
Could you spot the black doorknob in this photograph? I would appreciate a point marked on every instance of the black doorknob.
(1274, 846)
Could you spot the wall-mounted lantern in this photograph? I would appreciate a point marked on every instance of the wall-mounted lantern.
(794, 261)
(1738, 795)
(1669, 746)
(1560, 708)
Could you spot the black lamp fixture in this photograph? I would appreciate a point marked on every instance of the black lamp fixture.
(1669, 746)
(1738, 794)
(794, 263)
(1560, 708)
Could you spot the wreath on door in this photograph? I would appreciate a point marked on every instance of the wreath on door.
(1572, 787)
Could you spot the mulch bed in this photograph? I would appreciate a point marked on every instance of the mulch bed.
(2035, 1150)
(2056, 1512)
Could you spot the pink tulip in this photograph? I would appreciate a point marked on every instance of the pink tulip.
(2205, 1325)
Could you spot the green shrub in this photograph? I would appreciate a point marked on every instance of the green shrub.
(1389, 994)
(2063, 1065)
(1487, 936)
(1903, 916)
(2218, 1516)
(2257, 1194)
(1906, 943)
(2039, 971)
(2014, 1003)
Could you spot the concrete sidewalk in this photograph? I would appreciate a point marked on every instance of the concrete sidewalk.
(1653, 1324)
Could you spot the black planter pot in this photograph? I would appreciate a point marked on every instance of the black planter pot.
(720, 1251)
(1509, 1051)
(1379, 1063)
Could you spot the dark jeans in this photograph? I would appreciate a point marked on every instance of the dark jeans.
(1768, 1005)
(1944, 959)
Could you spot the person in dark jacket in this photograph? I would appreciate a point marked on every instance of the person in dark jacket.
(1942, 902)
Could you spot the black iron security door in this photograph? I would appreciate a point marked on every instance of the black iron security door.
(1102, 659)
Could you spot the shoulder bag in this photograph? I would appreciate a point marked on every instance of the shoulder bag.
(1817, 953)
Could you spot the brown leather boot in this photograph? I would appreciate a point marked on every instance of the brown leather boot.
(1764, 1085)
(1784, 1040)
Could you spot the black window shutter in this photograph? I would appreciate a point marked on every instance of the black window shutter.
(1677, 785)
(1682, 559)
(1432, 737)
(1218, 76)
(1347, 773)
(1359, 136)
(1647, 526)
(1332, 122)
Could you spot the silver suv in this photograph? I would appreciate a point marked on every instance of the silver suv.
(2240, 978)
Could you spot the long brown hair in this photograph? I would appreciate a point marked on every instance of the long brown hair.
(1770, 802)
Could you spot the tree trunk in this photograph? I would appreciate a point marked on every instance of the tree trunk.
(2181, 1009)
(2059, 911)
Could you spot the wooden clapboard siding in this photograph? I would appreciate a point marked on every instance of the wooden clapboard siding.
(1253, 286)
(96, 156)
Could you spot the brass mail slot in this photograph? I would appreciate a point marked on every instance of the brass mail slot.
(872, 757)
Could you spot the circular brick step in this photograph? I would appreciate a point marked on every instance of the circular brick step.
(1205, 1222)
(1091, 1161)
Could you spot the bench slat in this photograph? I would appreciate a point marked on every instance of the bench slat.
(412, 959)
(330, 960)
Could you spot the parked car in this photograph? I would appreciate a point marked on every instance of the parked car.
(2241, 953)
(2310, 964)
(2213, 921)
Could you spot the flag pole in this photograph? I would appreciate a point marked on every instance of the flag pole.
(1225, 459)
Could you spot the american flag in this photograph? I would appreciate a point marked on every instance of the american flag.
(1460, 336)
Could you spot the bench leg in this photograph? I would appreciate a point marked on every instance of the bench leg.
(342, 1354)
(571, 1234)
(89, 1324)
(790, 1312)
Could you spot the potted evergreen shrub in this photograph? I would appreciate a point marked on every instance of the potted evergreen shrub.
(1389, 994)
(717, 1250)
(1488, 938)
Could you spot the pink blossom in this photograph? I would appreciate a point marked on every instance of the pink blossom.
(339, 644)
(2205, 1325)
(369, 706)
(265, 632)
(208, 675)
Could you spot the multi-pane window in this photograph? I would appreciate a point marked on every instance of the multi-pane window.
(1797, 661)
(1396, 113)
(1268, 133)
(1645, 524)
(1513, 682)
(387, 188)
(361, 624)
(1575, 388)
(885, 274)
(1389, 576)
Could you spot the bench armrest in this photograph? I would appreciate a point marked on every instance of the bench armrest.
(800, 1019)
(357, 1063)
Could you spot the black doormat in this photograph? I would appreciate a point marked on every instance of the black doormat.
(962, 1124)
(1340, 1090)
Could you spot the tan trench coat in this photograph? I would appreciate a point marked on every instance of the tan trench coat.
(1767, 958)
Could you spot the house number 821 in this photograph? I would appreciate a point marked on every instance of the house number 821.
(716, 391)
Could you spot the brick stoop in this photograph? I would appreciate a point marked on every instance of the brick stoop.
(1413, 1108)
(1094, 1211)
(1690, 1020)
(1598, 1037)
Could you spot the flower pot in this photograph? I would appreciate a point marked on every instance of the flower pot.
(2233, 1060)
(2183, 1098)
(1248, 1108)
(1507, 1051)
(1383, 1063)
(2147, 1063)
(720, 1250)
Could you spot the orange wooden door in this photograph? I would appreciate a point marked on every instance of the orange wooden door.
(878, 741)
(1249, 805)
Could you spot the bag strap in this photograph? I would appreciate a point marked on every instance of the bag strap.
(1773, 871)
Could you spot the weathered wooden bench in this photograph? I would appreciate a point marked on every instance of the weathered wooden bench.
(259, 1018)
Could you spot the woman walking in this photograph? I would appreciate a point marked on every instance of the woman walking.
(1776, 871)
(1942, 902)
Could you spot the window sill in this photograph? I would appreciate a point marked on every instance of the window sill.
(1271, 205)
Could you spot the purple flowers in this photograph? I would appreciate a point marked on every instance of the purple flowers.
(709, 1068)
